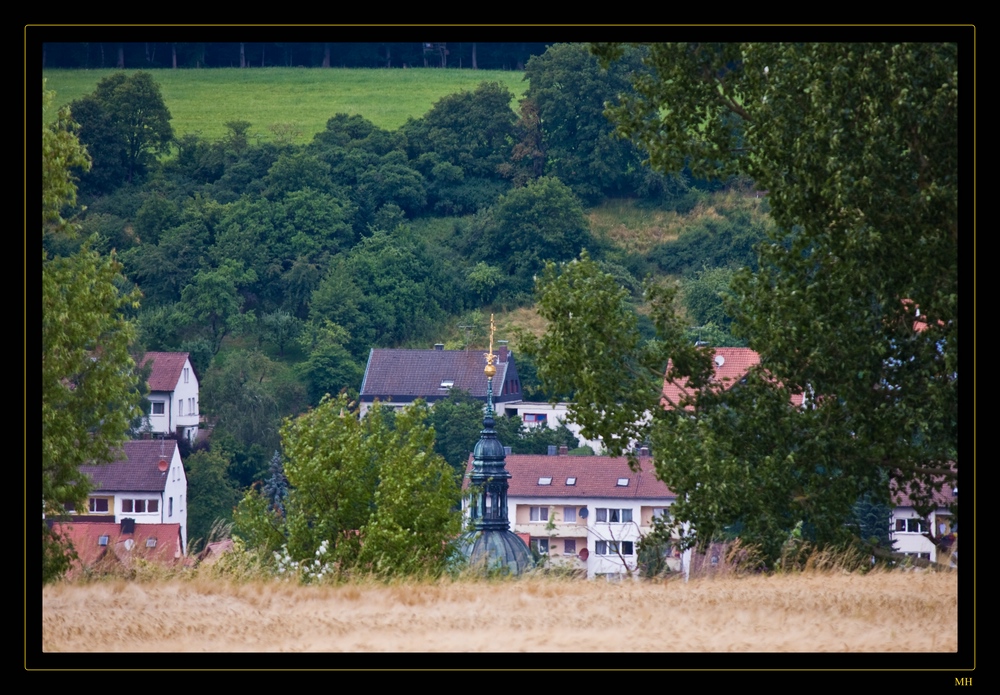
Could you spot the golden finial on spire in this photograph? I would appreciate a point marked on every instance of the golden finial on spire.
(490, 370)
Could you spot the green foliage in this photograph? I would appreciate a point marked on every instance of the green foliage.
(239, 391)
(380, 497)
(543, 221)
(212, 495)
(90, 390)
(457, 421)
(568, 89)
(857, 146)
(470, 130)
(126, 124)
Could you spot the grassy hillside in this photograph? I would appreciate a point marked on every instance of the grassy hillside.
(201, 101)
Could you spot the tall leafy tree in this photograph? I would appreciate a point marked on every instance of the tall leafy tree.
(377, 494)
(90, 388)
(857, 144)
(126, 122)
(567, 92)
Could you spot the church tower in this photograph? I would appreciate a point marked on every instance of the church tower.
(491, 544)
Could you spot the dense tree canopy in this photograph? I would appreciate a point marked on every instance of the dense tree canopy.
(857, 146)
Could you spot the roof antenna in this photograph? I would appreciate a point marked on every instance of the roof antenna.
(161, 446)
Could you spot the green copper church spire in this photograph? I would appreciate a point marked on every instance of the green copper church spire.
(491, 544)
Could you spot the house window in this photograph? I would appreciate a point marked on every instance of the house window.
(545, 481)
(158, 407)
(535, 417)
(614, 547)
(180, 406)
(186, 370)
(569, 546)
(571, 481)
(139, 506)
(170, 506)
(569, 515)
(911, 526)
(661, 513)
(614, 516)
(622, 482)
(539, 514)
(99, 505)
(540, 545)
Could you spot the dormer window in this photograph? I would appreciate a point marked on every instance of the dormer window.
(447, 384)
(571, 481)
(545, 481)
(622, 482)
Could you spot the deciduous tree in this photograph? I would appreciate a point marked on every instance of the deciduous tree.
(857, 145)
(89, 382)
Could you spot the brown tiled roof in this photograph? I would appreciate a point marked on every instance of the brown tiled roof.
(85, 537)
(136, 469)
(596, 476)
(736, 363)
(409, 374)
(167, 369)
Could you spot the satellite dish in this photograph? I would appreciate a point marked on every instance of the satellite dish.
(719, 360)
(583, 512)
(584, 554)
(163, 466)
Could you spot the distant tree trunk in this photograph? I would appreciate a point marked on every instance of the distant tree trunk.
(326, 55)
(474, 65)
(150, 54)
(243, 55)
(121, 56)
(173, 55)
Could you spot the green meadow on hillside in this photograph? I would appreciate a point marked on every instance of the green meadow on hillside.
(202, 101)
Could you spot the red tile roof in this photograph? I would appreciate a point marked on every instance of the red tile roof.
(410, 374)
(943, 498)
(596, 476)
(85, 536)
(137, 468)
(736, 362)
(167, 369)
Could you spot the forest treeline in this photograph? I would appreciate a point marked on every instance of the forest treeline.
(152, 54)
(278, 266)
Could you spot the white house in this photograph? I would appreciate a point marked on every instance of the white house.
(173, 395)
(550, 415)
(909, 531)
(146, 483)
(585, 512)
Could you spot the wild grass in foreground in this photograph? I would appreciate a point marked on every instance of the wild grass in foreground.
(794, 612)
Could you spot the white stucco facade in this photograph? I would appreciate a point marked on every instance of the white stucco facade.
(168, 506)
(174, 406)
(607, 529)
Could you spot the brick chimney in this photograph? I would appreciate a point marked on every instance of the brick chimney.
(563, 450)
(502, 353)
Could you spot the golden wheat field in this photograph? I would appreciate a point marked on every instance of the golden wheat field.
(819, 612)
